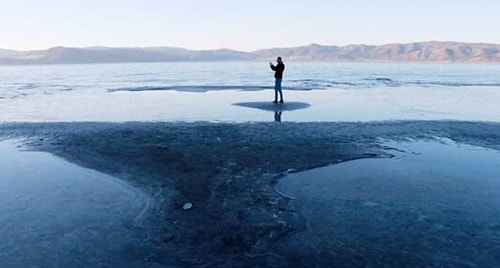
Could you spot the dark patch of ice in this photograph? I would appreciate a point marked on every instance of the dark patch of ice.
(272, 107)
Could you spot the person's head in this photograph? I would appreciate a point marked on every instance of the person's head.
(278, 59)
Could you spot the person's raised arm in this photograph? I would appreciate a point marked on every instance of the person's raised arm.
(272, 66)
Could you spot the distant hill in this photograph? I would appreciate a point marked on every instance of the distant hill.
(422, 51)
(65, 55)
(8, 53)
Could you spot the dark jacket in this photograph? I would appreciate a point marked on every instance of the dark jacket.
(278, 70)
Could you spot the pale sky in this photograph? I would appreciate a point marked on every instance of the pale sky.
(242, 24)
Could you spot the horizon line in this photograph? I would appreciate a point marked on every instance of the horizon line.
(249, 51)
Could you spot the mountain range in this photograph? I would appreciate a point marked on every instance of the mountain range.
(419, 51)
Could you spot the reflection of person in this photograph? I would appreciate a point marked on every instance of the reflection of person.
(277, 116)
(278, 77)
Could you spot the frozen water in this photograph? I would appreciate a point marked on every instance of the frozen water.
(56, 214)
(206, 91)
(435, 204)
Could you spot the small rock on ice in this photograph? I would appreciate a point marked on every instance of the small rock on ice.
(187, 206)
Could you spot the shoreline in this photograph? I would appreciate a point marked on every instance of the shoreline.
(227, 171)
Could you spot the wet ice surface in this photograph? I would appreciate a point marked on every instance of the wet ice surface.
(272, 107)
(205, 91)
(434, 204)
(327, 105)
(56, 214)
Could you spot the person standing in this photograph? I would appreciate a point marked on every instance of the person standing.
(278, 69)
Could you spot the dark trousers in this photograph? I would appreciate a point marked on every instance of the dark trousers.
(277, 88)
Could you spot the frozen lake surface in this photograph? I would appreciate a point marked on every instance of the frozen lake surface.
(57, 214)
(436, 201)
(206, 91)
(435, 204)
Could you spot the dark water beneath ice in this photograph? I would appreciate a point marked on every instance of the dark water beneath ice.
(57, 214)
(436, 203)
